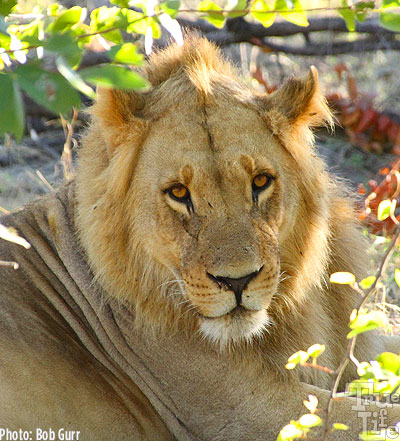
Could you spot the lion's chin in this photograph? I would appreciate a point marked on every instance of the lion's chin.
(234, 327)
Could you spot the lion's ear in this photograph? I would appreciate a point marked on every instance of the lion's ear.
(118, 114)
(298, 105)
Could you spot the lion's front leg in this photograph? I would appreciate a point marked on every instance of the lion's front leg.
(370, 344)
(391, 343)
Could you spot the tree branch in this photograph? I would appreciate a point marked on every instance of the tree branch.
(339, 47)
(238, 30)
(242, 29)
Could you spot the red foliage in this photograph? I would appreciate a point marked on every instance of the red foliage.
(365, 126)
(259, 77)
(371, 130)
(388, 188)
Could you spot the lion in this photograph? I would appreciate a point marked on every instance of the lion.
(169, 282)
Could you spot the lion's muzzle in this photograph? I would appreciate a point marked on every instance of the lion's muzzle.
(237, 285)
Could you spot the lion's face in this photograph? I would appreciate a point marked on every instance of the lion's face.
(212, 212)
(199, 183)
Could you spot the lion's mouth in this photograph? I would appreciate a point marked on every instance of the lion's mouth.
(238, 311)
(239, 324)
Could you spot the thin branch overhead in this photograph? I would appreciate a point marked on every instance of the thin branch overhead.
(238, 30)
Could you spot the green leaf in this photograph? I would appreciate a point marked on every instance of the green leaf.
(384, 209)
(360, 387)
(362, 9)
(366, 321)
(53, 9)
(120, 3)
(372, 436)
(373, 384)
(5, 41)
(30, 33)
(390, 20)
(311, 404)
(65, 45)
(135, 21)
(340, 426)
(212, 13)
(11, 107)
(397, 276)
(113, 76)
(67, 19)
(104, 18)
(367, 282)
(6, 6)
(390, 4)
(74, 79)
(126, 54)
(10, 234)
(139, 4)
(236, 5)
(295, 14)
(258, 11)
(389, 362)
(383, 435)
(310, 420)
(348, 16)
(315, 350)
(342, 278)
(171, 7)
(290, 432)
(47, 88)
(299, 357)
(155, 27)
(114, 36)
(363, 368)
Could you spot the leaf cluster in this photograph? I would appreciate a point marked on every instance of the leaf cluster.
(27, 38)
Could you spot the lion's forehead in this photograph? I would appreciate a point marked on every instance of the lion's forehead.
(188, 126)
(212, 140)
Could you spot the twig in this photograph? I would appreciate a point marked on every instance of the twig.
(350, 348)
(36, 178)
(66, 157)
(319, 367)
(4, 210)
(339, 47)
(44, 180)
(6, 264)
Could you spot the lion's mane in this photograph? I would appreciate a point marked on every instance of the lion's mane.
(325, 237)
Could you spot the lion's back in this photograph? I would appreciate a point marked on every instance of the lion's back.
(48, 378)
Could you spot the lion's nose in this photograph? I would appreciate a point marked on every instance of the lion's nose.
(235, 285)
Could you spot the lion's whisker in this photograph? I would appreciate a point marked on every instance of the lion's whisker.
(170, 282)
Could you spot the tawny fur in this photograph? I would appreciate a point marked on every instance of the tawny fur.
(113, 325)
(318, 227)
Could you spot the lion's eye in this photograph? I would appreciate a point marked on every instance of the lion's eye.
(179, 192)
(260, 183)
